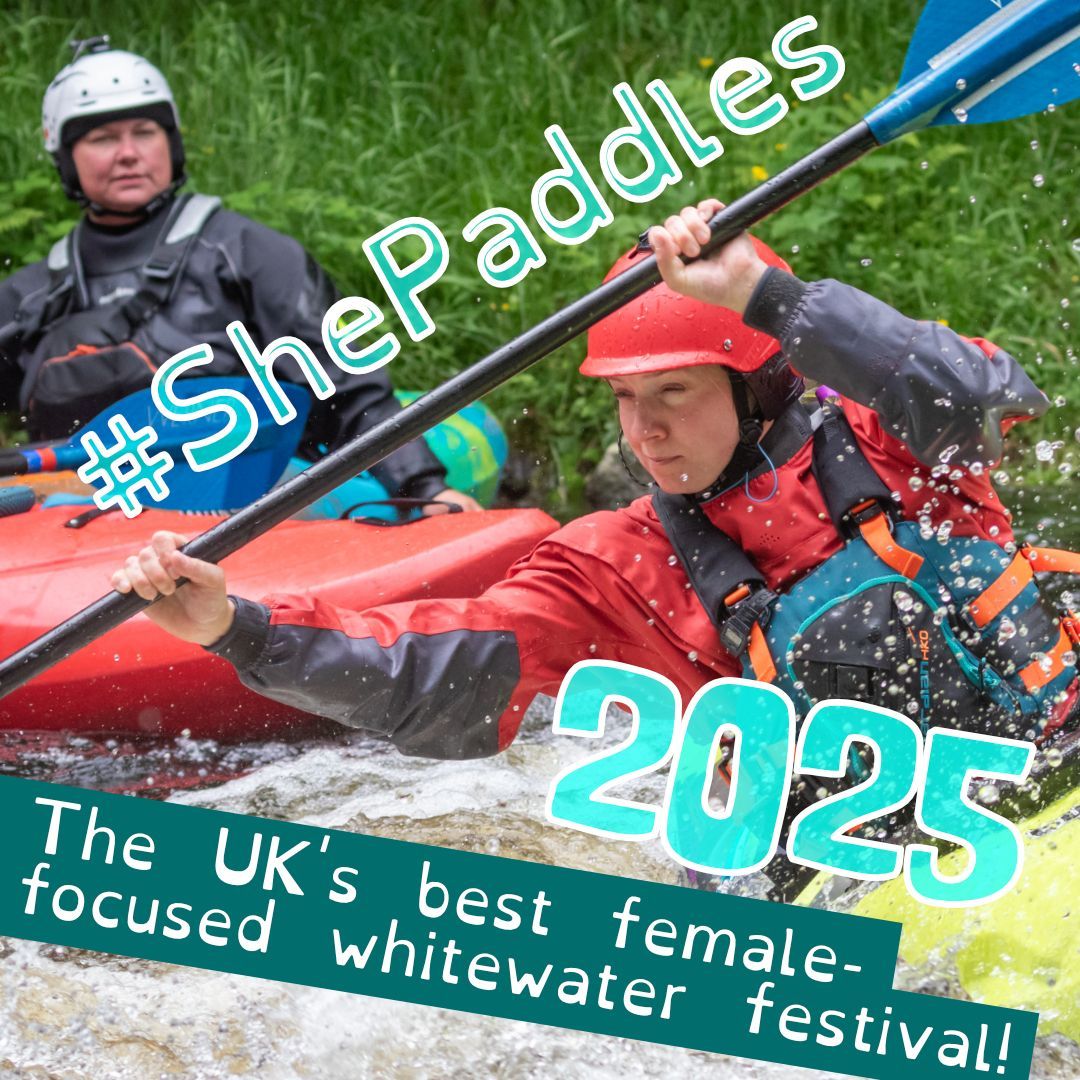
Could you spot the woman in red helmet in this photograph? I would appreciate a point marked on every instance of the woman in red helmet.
(703, 371)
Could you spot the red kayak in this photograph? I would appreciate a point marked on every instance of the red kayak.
(139, 680)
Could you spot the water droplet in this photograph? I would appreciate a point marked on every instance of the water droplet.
(692, 655)
(795, 247)
(866, 262)
(915, 482)
(924, 164)
(961, 84)
(960, 114)
(1053, 757)
(1038, 179)
(728, 345)
(1034, 144)
(684, 477)
(672, 560)
(1044, 450)
(988, 794)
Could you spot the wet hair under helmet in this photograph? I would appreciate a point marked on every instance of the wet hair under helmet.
(102, 84)
(662, 330)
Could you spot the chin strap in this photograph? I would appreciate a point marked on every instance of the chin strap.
(155, 204)
(751, 425)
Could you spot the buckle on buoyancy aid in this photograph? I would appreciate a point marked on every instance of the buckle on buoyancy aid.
(874, 525)
(743, 609)
(865, 511)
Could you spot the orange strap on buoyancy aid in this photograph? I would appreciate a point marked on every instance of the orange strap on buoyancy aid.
(1027, 562)
(878, 536)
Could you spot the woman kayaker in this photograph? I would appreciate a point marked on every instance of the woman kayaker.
(148, 273)
(756, 497)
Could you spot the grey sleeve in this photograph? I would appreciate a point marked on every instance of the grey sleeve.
(937, 392)
(287, 293)
(432, 694)
(22, 296)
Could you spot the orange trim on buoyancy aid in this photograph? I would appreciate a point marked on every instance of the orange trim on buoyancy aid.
(875, 531)
(1053, 560)
(1040, 672)
(760, 657)
(1004, 590)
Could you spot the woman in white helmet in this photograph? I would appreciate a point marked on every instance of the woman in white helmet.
(147, 273)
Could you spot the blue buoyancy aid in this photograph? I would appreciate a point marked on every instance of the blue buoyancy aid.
(950, 630)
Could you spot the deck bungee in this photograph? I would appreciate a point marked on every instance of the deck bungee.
(138, 679)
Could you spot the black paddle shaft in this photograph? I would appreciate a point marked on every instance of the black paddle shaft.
(434, 407)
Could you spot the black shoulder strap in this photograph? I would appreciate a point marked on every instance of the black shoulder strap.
(846, 479)
(159, 275)
(716, 567)
(162, 271)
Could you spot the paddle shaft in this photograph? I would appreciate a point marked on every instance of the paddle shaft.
(486, 374)
(18, 462)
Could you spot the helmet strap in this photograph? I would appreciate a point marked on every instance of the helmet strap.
(155, 204)
(751, 425)
(626, 464)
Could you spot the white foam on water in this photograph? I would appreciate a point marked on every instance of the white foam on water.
(87, 1016)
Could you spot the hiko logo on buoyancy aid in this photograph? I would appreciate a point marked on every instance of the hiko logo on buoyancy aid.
(923, 645)
(887, 619)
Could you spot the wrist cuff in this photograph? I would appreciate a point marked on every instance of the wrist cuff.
(244, 643)
(774, 302)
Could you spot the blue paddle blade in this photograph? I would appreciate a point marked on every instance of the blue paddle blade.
(224, 487)
(978, 61)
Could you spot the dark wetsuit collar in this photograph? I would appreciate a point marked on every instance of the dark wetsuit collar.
(106, 249)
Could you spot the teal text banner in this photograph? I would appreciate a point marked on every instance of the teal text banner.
(483, 934)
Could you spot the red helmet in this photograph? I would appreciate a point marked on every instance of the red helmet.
(662, 329)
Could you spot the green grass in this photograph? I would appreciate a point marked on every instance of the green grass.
(333, 123)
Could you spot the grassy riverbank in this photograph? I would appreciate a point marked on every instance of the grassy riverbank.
(330, 125)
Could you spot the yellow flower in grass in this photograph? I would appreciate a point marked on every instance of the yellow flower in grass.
(759, 173)
(944, 322)
(705, 62)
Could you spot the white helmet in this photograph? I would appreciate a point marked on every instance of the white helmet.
(99, 85)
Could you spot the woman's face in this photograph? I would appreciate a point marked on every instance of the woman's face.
(681, 424)
(124, 164)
